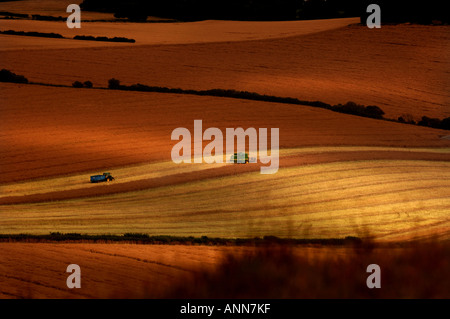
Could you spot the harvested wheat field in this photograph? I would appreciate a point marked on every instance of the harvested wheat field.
(389, 200)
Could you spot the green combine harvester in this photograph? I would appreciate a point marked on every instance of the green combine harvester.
(242, 158)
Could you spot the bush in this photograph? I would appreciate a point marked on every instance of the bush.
(371, 111)
(88, 84)
(406, 118)
(430, 122)
(8, 76)
(445, 123)
(114, 84)
(374, 111)
(77, 84)
(349, 108)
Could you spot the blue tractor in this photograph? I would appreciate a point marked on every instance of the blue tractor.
(106, 177)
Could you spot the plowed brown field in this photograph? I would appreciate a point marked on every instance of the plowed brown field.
(108, 270)
(38, 270)
(402, 69)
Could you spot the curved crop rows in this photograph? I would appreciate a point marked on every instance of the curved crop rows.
(390, 200)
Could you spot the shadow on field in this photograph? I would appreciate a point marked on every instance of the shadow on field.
(287, 271)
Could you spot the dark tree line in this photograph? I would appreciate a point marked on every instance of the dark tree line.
(190, 10)
(414, 11)
(371, 111)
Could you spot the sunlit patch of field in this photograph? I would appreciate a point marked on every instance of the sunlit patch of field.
(78, 181)
(389, 200)
(167, 169)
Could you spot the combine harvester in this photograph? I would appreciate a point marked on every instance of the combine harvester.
(106, 177)
(242, 158)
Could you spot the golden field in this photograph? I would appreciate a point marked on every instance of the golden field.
(391, 201)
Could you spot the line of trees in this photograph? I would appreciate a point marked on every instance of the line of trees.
(371, 111)
(165, 239)
(59, 36)
(92, 38)
(33, 34)
(396, 11)
(426, 121)
(414, 11)
(191, 10)
(12, 15)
